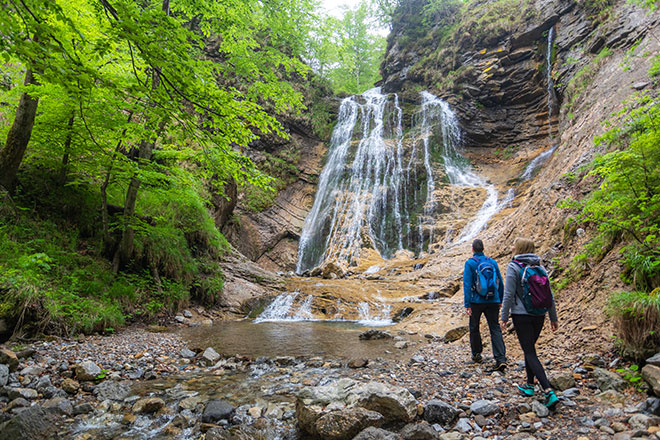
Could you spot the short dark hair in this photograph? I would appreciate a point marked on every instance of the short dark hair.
(478, 245)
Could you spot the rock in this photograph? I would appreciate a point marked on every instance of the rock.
(33, 423)
(190, 403)
(87, 370)
(402, 314)
(396, 404)
(16, 403)
(332, 269)
(187, 314)
(593, 359)
(8, 358)
(480, 420)
(60, 405)
(456, 333)
(32, 371)
(654, 360)
(83, 408)
(401, 345)
(255, 412)
(639, 422)
(571, 392)
(608, 380)
(148, 405)
(652, 406)
(217, 410)
(372, 433)
(640, 85)
(70, 386)
(187, 353)
(346, 424)
(210, 357)
(419, 431)
(484, 407)
(651, 374)
(437, 411)
(452, 436)
(284, 361)
(463, 425)
(562, 381)
(4, 374)
(112, 390)
(43, 383)
(374, 334)
(25, 393)
(540, 409)
(180, 319)
(357, 363)
(612, 397)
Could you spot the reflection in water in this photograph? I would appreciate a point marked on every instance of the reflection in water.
(336, 340)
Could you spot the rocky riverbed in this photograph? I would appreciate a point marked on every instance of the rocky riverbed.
(141, 385)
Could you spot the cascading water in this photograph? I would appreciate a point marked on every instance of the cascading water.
(377, 187)
(552, 109)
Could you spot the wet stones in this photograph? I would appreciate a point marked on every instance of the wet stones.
(148, 405)
(217, 410)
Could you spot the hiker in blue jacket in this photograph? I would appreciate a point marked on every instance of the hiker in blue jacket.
(482, 292)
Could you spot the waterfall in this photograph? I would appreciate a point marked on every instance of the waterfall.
(377, 189)
(279, 309)
(552, 109)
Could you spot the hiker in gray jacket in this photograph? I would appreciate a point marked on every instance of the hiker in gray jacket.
(528, 325)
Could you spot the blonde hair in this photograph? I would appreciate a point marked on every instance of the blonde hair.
(523, 246)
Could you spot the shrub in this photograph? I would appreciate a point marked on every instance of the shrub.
(636, 317)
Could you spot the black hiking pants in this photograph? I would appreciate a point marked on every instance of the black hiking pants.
(528, 328)
(492, 312)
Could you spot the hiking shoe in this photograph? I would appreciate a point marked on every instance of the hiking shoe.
(476, 358)
(551, 400)
(526, 389)
(498, 366)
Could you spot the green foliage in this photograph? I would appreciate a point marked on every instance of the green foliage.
(655, 67)
(507, 152)
(636, 316)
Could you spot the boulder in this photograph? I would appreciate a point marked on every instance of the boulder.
(70, 386)
(87, 370)
(4, 374)
(437, 411)
(419, 431)
(562, 381)
(456, 333)
(651, 374)
(9, 358)
(608, 380)
(217, 410)
(59, 405)
(374, 334)
(210, 357)
(484, 407)
(33, 423)
(148, 405)
(372, 433)
(112, 390)
(654, 360)
(346, 424)
(332, 269)
(395, 404)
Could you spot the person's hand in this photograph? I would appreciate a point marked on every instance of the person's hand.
(503, 325)
(468, 311)
(554, 326)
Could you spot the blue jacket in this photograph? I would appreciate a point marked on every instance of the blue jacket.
(469, 272)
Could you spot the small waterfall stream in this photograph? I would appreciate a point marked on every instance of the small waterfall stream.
(552, 110)
(377, 189)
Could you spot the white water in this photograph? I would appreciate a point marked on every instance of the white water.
(284, 309)
(542, 158)
(377, 187)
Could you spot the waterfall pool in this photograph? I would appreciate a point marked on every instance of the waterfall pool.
(326, 339)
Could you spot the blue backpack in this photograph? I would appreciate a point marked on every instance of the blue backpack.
(537, 295)
(485, 281)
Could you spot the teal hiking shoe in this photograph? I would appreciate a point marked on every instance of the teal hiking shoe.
(551, 400)
(526, 389)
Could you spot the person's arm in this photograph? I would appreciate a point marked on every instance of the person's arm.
(467, 286)
(554, 320)
(509, 292)
(500, 281)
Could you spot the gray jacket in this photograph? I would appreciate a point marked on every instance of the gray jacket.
(512, 302)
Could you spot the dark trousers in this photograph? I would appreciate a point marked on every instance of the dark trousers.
(492, 312)
(528, 328)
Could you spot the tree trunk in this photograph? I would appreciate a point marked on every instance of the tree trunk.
(18, 137)
(67, 149)
(125, 248)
